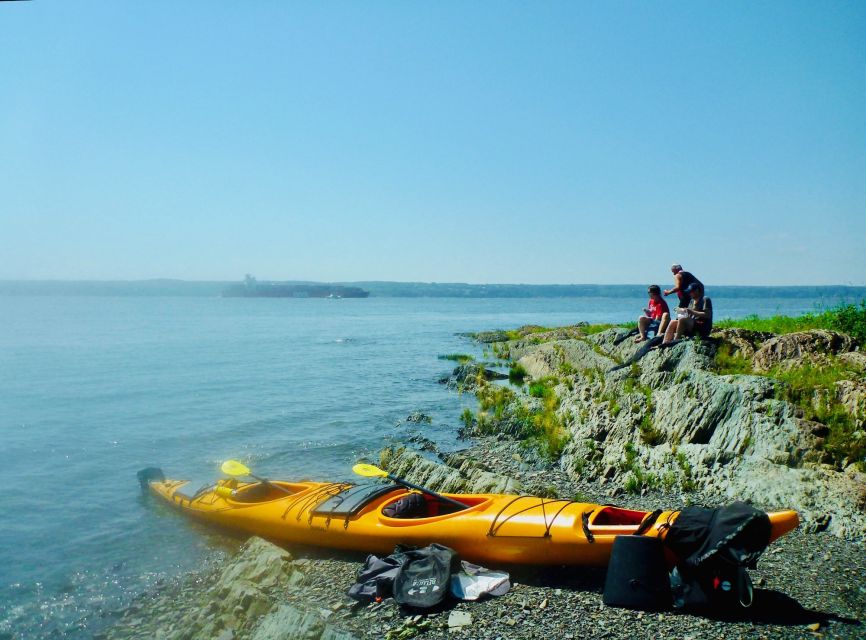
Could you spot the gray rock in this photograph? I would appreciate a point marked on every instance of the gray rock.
(742, 341)
(851, 394)
(418, 417)
(793, 349)
(332, 633)
(289, 623)
(488, 337)
(457, 619)
(547, 359)
(465, 477)
(467, 375)
(854, 359)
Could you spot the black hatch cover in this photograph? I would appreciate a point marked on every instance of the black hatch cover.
(350, 501)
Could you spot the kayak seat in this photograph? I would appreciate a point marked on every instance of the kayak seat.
(352, 500)
(616, 516)
(421, 505)
(412, 505)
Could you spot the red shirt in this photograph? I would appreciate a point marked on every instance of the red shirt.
(656, 309)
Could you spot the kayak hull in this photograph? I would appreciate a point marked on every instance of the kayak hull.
(493, 529)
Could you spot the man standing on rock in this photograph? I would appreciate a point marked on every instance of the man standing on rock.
(682, 280)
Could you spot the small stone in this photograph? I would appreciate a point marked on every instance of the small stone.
(511, 622)
(814, 626)
(459, 619)
(543, 604)
(227, 634)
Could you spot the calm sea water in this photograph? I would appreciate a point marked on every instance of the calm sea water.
(93, 389)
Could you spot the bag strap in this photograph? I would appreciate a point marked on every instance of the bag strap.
(745, 588)
(584, 520)
(647, 522)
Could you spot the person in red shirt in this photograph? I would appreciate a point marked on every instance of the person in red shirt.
(656, 315)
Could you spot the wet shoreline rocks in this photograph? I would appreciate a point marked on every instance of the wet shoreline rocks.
(805, 582)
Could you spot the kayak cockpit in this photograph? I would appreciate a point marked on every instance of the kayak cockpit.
(618, 517)
(412, 507)
(255, 492)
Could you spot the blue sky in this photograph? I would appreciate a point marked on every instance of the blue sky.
(549, 142)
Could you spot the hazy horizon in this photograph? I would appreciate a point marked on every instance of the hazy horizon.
(487, 143)
(420, 282)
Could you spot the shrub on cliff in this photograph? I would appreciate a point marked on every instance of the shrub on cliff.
(845, 318)
(813, 389)
(516, 374)
(850, 319)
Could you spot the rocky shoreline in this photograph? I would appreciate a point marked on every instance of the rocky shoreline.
(811, 583)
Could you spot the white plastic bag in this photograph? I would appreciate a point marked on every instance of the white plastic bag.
(473, 582)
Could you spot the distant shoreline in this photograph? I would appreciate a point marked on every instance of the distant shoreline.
(381, 289)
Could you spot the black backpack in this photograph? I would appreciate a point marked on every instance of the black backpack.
(715, 547)
(422, 580)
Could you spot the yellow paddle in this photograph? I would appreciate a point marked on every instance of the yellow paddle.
(371, 471)
(234, 468)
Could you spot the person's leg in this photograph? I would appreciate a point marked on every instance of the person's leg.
(642, 323)
(652, 327)
(663, 324)
(671, 330)
(684, 327)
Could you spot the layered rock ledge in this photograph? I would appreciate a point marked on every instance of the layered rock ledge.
(667, 418)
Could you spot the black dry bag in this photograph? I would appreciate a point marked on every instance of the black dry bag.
(422, 581)
(376, 578)
(637, 577)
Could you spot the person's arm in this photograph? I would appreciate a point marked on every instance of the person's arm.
(706, 313)
(678, 279)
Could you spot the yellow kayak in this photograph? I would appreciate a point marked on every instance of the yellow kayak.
(491, 529)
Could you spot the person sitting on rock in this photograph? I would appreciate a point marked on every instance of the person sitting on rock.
(695, 319)
(682, 280)
(656, 315)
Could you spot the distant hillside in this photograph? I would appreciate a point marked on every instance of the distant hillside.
(123, 288)
(462, 290)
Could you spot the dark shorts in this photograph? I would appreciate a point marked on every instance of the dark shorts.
(703, 328)
(653, 326)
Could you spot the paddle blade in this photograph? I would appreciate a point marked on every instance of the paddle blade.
(234, 468)
(369, 471)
